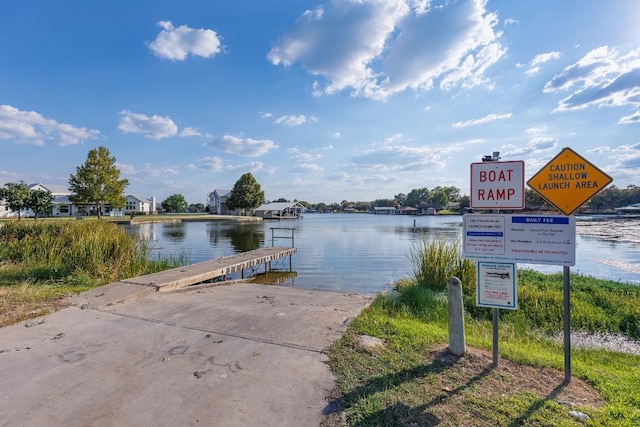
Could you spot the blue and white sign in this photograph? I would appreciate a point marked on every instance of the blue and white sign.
(497, 285)
(529, 239)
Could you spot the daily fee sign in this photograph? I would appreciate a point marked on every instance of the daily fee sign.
(497, 185)
(568, 181)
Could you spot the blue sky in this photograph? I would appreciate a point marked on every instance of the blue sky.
(321, 101)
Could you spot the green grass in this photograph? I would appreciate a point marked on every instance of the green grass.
(44, 261)
(412, 381)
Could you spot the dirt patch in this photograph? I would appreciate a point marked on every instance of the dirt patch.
(449, 382)
(510, 378)
(12, 312)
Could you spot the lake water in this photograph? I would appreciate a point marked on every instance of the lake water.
(366, 253)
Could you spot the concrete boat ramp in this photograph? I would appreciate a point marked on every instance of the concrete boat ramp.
(213, 355)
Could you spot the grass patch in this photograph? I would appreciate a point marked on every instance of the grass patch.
(414, 381)
(41, 262)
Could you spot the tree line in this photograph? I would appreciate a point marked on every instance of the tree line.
(97, 183)
(440, 197)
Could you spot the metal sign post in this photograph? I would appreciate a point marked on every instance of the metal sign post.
(567, 182)
(496, 185)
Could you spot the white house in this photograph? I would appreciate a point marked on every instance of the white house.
(218, 202)
(138, 205)
(5, 212)
(62, 206)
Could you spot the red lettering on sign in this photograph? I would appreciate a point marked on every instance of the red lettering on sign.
(498, 194)
(493, 176)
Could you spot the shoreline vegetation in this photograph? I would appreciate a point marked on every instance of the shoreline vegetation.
(410, 378)
(42, 262)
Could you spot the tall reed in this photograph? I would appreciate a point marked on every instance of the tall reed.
(434, 262)
(96, 248)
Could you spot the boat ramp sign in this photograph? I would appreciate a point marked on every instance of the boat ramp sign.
(568, 181)
(529, 239)
(497, 185)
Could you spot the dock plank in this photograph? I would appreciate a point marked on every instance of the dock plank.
(201, 272)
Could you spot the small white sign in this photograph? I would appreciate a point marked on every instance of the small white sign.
(497, 185)
(497, 285)
(484, 235)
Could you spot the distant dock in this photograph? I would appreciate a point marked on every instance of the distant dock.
(187, 275)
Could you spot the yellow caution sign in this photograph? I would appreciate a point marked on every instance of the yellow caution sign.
(568, 181)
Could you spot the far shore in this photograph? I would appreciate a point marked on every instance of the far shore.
(142, 219)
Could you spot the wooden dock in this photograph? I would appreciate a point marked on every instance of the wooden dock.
(208, 270)
(181, 277)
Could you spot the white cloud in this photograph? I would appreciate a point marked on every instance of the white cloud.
(601, 149)
(380, 47)
(544, 57)
(627, 160)
(536, 145)
(188, 132)
(146, 171)
(533, 70)
(534, 65)
(536, 130)
(335, 135)
(218, 164)
(213, 163)
(630, 119)
(247, 147)
(602, 78)
(178, 43)
(295, 120)
(306, 168)
(154, 127)
(297, 155)
(483, 120)
(29, 127)
(388, 158)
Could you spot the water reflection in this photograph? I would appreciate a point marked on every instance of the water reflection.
(242, 237)
(175, 231)
(276, 278)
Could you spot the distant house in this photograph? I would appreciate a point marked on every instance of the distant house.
(387, 210)
(62, 206)
(218, 202)
(407, 210)
(630, 209)
(140, 205)
(5, 212)
(279, 210)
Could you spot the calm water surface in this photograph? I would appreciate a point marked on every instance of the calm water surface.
(366, 253)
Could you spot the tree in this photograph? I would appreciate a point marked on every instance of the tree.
(246, 194)
(439, 197)
(197, 207)
(40, 202)
(97, 182)
(16, 196)
(418, 197)
(399, 199)
(174, 203)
